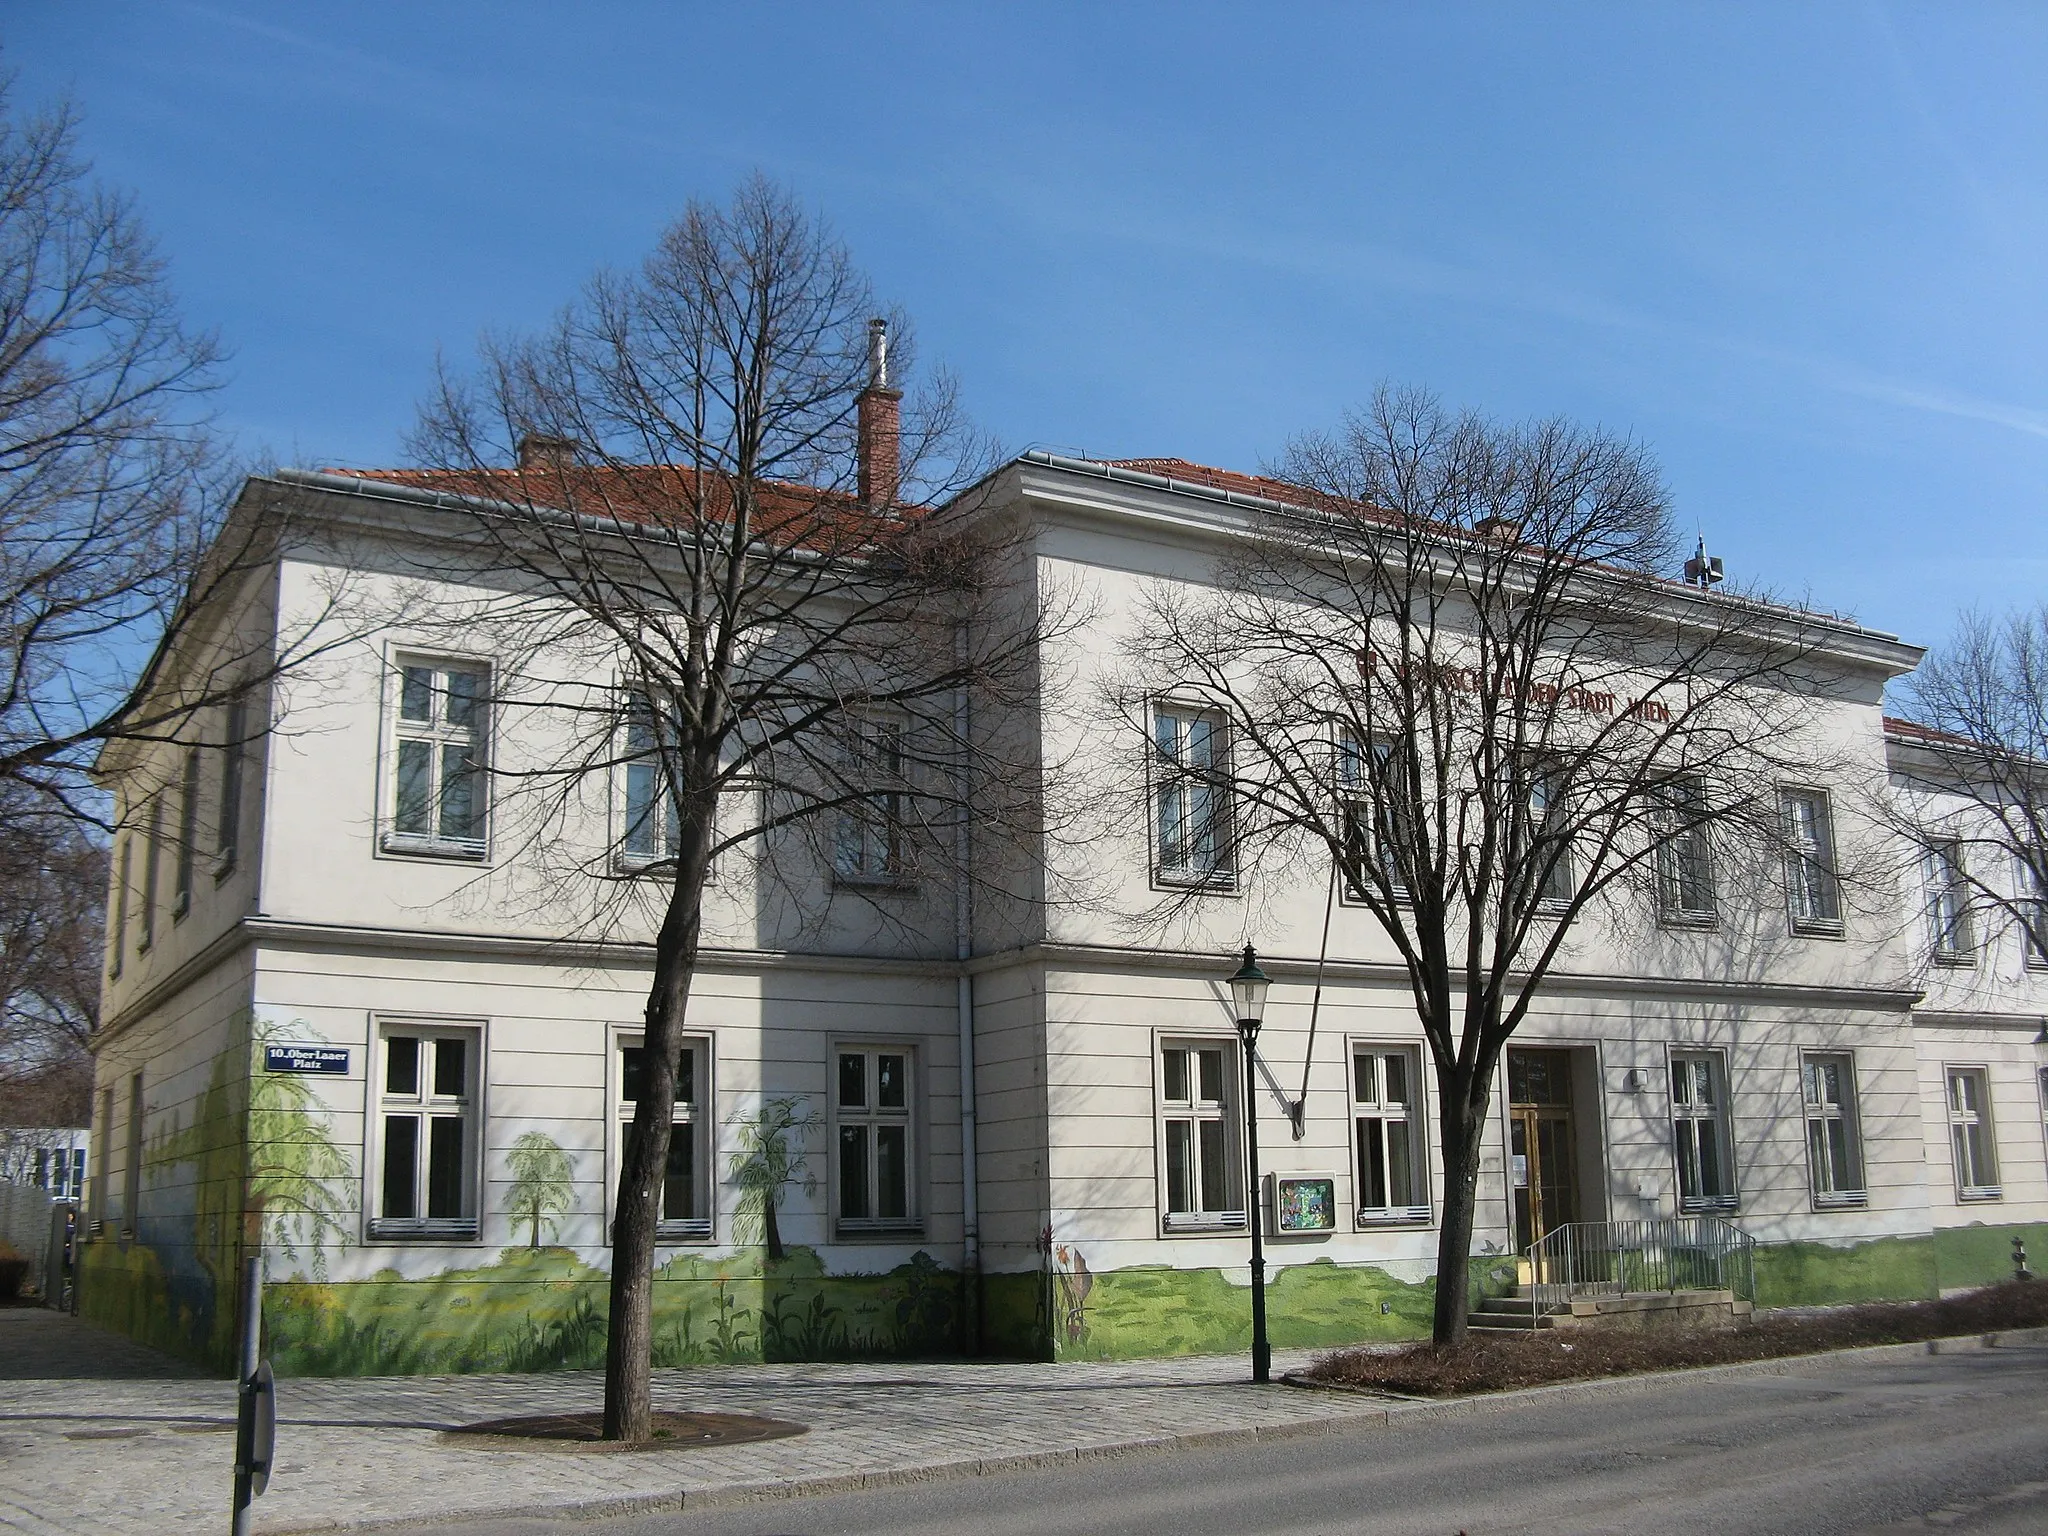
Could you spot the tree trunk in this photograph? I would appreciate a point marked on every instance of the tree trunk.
(771, 1231)
(1462, 1125)
(629, 1343)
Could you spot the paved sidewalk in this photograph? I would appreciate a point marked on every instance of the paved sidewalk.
(151, 1451)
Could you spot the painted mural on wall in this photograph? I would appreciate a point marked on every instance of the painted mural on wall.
(771, 1157)
(542, 1184)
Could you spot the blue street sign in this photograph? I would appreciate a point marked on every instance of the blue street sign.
(305, 1058)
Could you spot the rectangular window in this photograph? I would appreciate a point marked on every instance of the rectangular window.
(1373, 801)
(1547, 839)
(1685, 869)
(1834, 1155)
(1385, 1087)
(1970, 1134)
(874, 1148)
(227, 829)
(1192, 833)
(1198, 1129)
(2033, 893)
(440, 798)
(1813, 892)
(1699, 1132)
(131, 1178)
(117, 942)
(1948, 905)
(427, 1124)
(188, 834)
(102, 1195)
(686, 1179)
(152, 861)
(652, 821)
(867, 841)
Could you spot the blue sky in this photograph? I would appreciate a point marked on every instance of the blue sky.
(1798, 250)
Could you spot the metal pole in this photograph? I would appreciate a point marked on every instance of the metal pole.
(245, 1374)
(1262, 1351)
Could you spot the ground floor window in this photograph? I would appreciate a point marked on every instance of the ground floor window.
(686, 1210)
(1834, 1159)
(1198, 1123)
(1970, 1134)
(426, 1129)
(1699, 1130)
(874, 1144)
(1385, 1084)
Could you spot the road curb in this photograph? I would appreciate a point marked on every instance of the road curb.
(1396, 1410)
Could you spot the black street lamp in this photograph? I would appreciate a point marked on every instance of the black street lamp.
(1248, 992)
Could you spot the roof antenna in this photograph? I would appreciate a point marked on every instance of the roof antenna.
(1703, 570)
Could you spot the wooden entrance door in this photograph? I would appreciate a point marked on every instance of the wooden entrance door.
(1542, 1167)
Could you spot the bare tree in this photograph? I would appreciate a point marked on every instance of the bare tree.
(705, 478)
(53, 882)
(1974, 793)
(1447, 665)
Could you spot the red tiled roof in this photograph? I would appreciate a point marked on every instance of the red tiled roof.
(1215, 479)
(1912, 730)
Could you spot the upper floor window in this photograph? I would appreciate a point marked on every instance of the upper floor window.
(685, 1213)
(188, 834)
(868, 836)
(152, 863)
(439, 750)
(1699, 1126)
(228, 828)
(124, 874)
(1372, 800)
(874, 1145)
(1834, 1159)
(427, 1132)
(1813, 891)
(1970, 1133)
(1547, 838)
(1685, 869)
(1198, 1120)
(2033, 893)
(1192, 831)
(653, 821)
(1384, 1083)
(1948, 905)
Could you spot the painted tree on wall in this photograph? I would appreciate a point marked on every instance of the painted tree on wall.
(300, 1179)
(771, 1160)
(541, 1184)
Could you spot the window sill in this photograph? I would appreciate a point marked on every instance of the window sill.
(1982, 1192)
(1173, 880)
(683, 1231)
(1726, 1205)
(1194, 1223)
(422, 1228)
(404, 845)
(1843, 1200)
(877, 1232)
(180, 906)
(223, 865)
(1804, 929)
(897, 884)
(1950, 960)
(1690, 922)
(1395, 1216)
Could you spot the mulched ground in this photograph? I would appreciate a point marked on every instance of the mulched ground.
(584, 1432)
(1494, 1362)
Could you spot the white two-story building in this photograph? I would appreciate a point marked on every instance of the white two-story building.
(354, 1017)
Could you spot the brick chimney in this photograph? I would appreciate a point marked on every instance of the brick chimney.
(537, 450)
(881, 425)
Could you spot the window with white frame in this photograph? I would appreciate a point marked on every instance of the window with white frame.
(1371, 790)
(2028, 881)
(1685, 867)
(1813, 891)
(188, 835)
(868, 834)
(1970, 1133)
(427, 1126)
(874, 1146)
(152, 863)
(1198, 1124)
(131, 1180)
(1699, 1131)
(103, 1138)
(652, 822)
(1834, 1154)
(440, 744)
(1948, 904)
(117, 938)
(686, 1211)
(1191, 832)
(1549, 849)
(1385, 1087)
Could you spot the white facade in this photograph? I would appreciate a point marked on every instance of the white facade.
(414, 1217)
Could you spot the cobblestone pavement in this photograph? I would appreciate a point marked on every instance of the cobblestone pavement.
(98, 1436)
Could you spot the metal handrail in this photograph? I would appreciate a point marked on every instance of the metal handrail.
(1628, 1258)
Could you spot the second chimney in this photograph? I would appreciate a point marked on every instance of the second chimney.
(880, 425)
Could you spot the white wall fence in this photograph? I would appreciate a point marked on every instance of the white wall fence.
(25, 1227)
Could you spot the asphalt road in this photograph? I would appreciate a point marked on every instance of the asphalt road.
(1948, 1442)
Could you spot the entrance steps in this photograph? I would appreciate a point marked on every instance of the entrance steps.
(1626, 1310)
